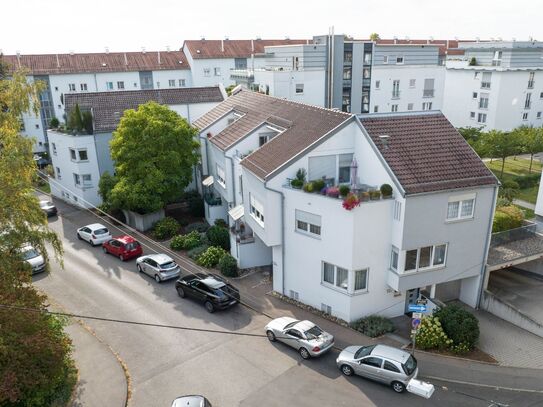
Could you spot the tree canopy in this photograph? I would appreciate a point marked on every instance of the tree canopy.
(154, 150)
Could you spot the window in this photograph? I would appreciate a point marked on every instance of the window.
(347, 74)
(425, 257)
(157, 84)
(207, 72)
(37, 126)
(54, 148)
(397, 210)
(410, 106)
(427, 106)
(390, 367)
(428, 91)
(538, 116)
(221, 177)
(481, 118)
(528, 101)
(394, 255)
(483, 101)
(257, 210)
(328, 273)
(412, 83)
(83, 87)
(323, 167)
(396, 88)
(541, 95)
(393, 108)
(497, 60)
(77, 179)
(58, 173)
(294, 295)
(264, 137)
(461, 208)
(83, 155)
(344, 167)
(56, 88)
(71, 87)
(171, 83)
(217, 71)
(181, 82)
(399, 60)
(72, 154)
(120, 85)
(376, 109)
(87, 181)
(385, 59)
(524, 116)
(474, 95)
(372, 361)
(531, 80)
(361, 280)
(299, 88)
(475, 75)
(378, 86)
(308, 223)
(342, 278)
(472, 115)
(326, 308)
(240, 63)
(485, 81)
(109, 85)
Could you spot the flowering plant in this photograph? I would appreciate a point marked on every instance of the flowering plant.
(333, 192)
(350, 202)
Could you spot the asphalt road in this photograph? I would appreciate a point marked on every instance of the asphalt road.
(230, 370)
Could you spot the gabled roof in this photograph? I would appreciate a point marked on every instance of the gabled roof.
(49, 64)
(425, 152)
(200, 49)
(108, 107)
(303, 124)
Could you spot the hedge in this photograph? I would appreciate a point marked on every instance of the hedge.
(506, 218)
(219, 236)
(460, 325)
(373, 325)
(228, 265)
(165, 228)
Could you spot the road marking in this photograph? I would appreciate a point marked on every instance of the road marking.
(482, 385)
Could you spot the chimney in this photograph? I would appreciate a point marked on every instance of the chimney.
(125, 59)
(18, 58)
(222, 45)
(395, 40)
(252, 46)
(384, 140)
(167, 48)
(107, 50)
(58, 61)
(158, 55)
(72, 52)
(143, 50)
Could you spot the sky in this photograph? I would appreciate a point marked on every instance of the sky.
(61, 26)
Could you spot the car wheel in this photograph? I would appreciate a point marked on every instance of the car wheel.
(92, 243)
(209, 306)
(304, 353)
(157, 278)
(181, 292)
(139, 268)
(105, 250)
(121, 257)
(271, 336)
(398, 387)
(79, 236)
(347, 370)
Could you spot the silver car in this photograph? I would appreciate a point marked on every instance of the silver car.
(159, 266)
(304, 336)
(31, 256)
(191, 401)
(385, 364)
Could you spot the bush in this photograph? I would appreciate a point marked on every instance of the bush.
(54, 123)
(431, 335)
(344, 190)
(297, 183)
(386, 190)
(507, 217)
(527, 181)
(198, 226)
(221, 223)
(219, 236)
(301, 174)
(197, 251)
(228, 265)
(165, 228)
(509, 190)
(308, 187)
(211, 257)
(375, 195)
(373, 325)
(318, 185)
(460, 326)
(186, 242)
(196, 206)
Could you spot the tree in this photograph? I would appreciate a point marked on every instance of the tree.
(105, 185)
(75, 119)
(501, 145)
(374, 37)
(475, 138)
(154, 150)
(531, 140)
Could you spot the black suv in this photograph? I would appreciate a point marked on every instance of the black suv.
(212, 290)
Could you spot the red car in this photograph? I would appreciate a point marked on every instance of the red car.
(124, 247)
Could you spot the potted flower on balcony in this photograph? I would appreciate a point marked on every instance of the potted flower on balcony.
(308, 187)
(350, 202)
(375, 195)
(344, 190)
(332, 192)
(386, 191)
(364, 196)
(299, 181)
(318, 186)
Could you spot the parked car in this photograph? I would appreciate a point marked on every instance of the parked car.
(212, 290)
(191, 401)
(304, 336)
(33, 257)
(385, 364)
(48, 208)
(123, 247)
(95, 234)
(159, 266)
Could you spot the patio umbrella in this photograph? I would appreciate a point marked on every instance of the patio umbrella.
(354, 171)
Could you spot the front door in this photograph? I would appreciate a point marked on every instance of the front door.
(411, 297)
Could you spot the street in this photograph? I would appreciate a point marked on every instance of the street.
(230, 370)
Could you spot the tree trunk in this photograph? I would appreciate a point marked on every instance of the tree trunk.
(503, 166)
(531, 160)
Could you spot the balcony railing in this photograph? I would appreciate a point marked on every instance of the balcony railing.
(507, 236)
(242, 236)
(395, 94)
(428, 93)
(212, 200)
(485, 85)
(531, 84)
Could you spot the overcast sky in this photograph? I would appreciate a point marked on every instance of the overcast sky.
(50, 26)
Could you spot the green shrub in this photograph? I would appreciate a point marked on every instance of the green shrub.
(308, 187)
(301, 174)
(165, 228)
(186, 242)
(506, 218)
(386, 190)
(297, 183)
(527, 181)
(221, 222)
(197, 251)
(219, 236)
(509, 190)
(53, 123)
(344, 190)
(318, 185)
(198, 226)
(375, 195)
(431, 335)
(373, 325)
(460, 325)
(196, 206)
(210, 258)
(228, 266)
(183, 222)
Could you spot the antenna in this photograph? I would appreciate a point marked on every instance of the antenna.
(143, 50)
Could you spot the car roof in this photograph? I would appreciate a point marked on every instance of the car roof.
(212, 282)
(160, 258)
(46, 203)
(388, 352)
(189, 401)
(304, 325)
(94, 226)
(195, 276)
(125, 239)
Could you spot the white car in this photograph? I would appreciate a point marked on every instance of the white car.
(159, 266)
(34, 258)
(95, 234)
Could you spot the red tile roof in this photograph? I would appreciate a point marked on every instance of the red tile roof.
(426, 152)
(47, 64)
(232, 48)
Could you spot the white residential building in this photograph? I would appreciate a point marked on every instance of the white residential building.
(376, 258)
(79, 160)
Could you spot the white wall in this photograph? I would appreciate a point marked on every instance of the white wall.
(33, 128)
(282, 84)
(224, 64)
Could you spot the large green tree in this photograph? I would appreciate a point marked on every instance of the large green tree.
(501, 145)
(531, 141)
(35, 364)
(154, 150)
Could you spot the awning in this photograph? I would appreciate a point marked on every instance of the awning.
(208, 181)
(237, 212)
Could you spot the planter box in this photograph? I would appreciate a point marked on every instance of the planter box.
(143, 222)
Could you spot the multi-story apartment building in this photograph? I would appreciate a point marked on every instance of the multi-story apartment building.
(65, 74)
(79, 160)
(432, 234)
(495, 85)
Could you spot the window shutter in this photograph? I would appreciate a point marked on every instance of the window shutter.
(428, 84)
(323, 166)
(308, 217)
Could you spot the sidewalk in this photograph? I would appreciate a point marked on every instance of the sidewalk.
(524, 204)
(101, 381)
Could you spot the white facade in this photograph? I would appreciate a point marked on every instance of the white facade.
(305, 86)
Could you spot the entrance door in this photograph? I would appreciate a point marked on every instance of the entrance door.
(411, 297)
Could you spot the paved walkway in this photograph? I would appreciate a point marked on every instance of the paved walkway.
(102, 381)
(524, 204)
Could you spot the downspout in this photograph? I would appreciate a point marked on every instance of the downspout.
(233, 178)
(207, 155)
(487, 247)
(282, 235)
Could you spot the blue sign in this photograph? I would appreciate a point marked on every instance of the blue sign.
(417, 308)
(415, 323)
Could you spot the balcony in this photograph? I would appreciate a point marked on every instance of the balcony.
(428, 93)
(531, 84)
(212, 200)
(485, 85)
(395, 94)
(242, 233)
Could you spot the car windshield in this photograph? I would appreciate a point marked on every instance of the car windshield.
(101, 231)
(132, 245)
(410, 365)
(291, 324)
(168, 265)
(30, 253)
(313, 333)
(46, 204)
(363, 351)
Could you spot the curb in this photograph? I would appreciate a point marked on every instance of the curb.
(405, 347)
(489, 386)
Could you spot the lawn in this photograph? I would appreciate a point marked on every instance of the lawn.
(515, 167)
(528, 213)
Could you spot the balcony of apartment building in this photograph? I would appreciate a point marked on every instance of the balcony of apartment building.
(428, 93)
(214, 206)
(395, 94)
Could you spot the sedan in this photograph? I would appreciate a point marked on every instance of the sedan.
(191, 401)
(95, 234)
(48, 208)
(304, 336)
(31, 256)
(212, 290)
(123, 247)
(382, 363)
(159, 266)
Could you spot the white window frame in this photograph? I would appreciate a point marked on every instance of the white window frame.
(538, 115)
(307, 223)
(221, 175)
(109, 85)
(79, 154)
(77, 180)
(376, 109)
(525, 116)
(394, 252)
(400, 60)
(365, 289)
(412, 83)
(171, 83)
(71, 87)
(378, 85)
(120, 85)
(397, 210)
(481, 118)
(73, 157)
(54, 148)
(474, 95)
(426, 105)
(86, 183)
(472, 115)
(299, 88)
(460, 200)
(182, 82)
(256, 210)
(410, 106)
(83, 87)
(385, 59)
(59, 176)
(217, 71)
(207, 72)
(351, 279)
(394, 108)
(431, 266)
